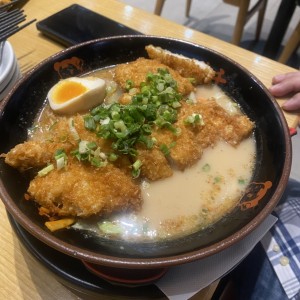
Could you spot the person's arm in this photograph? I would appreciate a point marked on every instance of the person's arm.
(287, 85)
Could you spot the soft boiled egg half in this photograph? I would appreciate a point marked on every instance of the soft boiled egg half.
(76, 94)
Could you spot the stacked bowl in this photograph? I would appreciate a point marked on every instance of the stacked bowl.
(9, 70)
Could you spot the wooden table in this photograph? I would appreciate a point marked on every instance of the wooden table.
(21, 276)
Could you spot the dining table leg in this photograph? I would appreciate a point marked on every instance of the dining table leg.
(279, 27)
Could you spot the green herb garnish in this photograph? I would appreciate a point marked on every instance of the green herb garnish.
(126, 125)
(206, 168)
(89, 151)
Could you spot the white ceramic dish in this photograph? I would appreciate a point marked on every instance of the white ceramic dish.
(7, 65)
(15, 75)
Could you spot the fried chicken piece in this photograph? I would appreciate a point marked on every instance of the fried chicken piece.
(137, 72)
(187, 67)
(237, 129)
(191, 142)
(82, 190)
(220, 124)
(154, 164)
(33, 154)
(40, 151)
(185, 150)
(69, 130)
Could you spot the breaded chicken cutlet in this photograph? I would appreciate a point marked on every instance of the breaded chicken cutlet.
(188, 146)
(138, 70)
(186, 67)
(155, 165)
(77, 190)
(63, 134)
(82, 190)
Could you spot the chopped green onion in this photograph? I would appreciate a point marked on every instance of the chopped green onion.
(89, 123)
(46, 170)
(129, 85)
(60, 163)
(192, 80)
(110, 228)
(61, 158)
(136, 168)
(242, 181)
(194, 119)
(89, 151)
(98, 162)
(83, 147)
(126, 125)
(217, 179)
(154, 103)
(206, 168)
(59, 153)
(166, 149)
(73, 130)
(33, 129)
(137, 164)
(112, 157)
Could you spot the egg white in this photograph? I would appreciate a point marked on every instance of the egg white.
(93, 96)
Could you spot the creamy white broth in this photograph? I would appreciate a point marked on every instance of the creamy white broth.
(194, 190)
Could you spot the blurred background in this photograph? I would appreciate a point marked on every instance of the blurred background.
(217, 18)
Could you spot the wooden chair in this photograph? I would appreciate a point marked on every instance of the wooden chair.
(291, 45)
(244, 14)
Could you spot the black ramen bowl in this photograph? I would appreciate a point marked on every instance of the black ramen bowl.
(19, 109)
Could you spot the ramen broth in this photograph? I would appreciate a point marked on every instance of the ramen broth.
(189, 200)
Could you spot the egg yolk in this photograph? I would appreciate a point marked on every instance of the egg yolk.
(68, 90)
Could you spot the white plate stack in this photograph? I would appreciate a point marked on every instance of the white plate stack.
(9, 70)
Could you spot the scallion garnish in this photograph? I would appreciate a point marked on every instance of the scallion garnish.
(155, 104)
(206, 168)
(166, 149)
(61, 158)
(90, 152)
(46, 170)
(194, 119)
(129, 85)
(136, 168)
(241, 181)
(73, 130)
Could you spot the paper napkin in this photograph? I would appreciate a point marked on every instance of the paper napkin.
(183, 281)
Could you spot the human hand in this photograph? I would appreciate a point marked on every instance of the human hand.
(287, 85)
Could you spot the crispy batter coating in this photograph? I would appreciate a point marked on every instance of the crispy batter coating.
(138, 70)
(191, 142)
(33, 154)
(154, 164)
(221, 125)
(82, 190)
(188, 68)
(68, 130)
(40, 151)
(78, 190)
